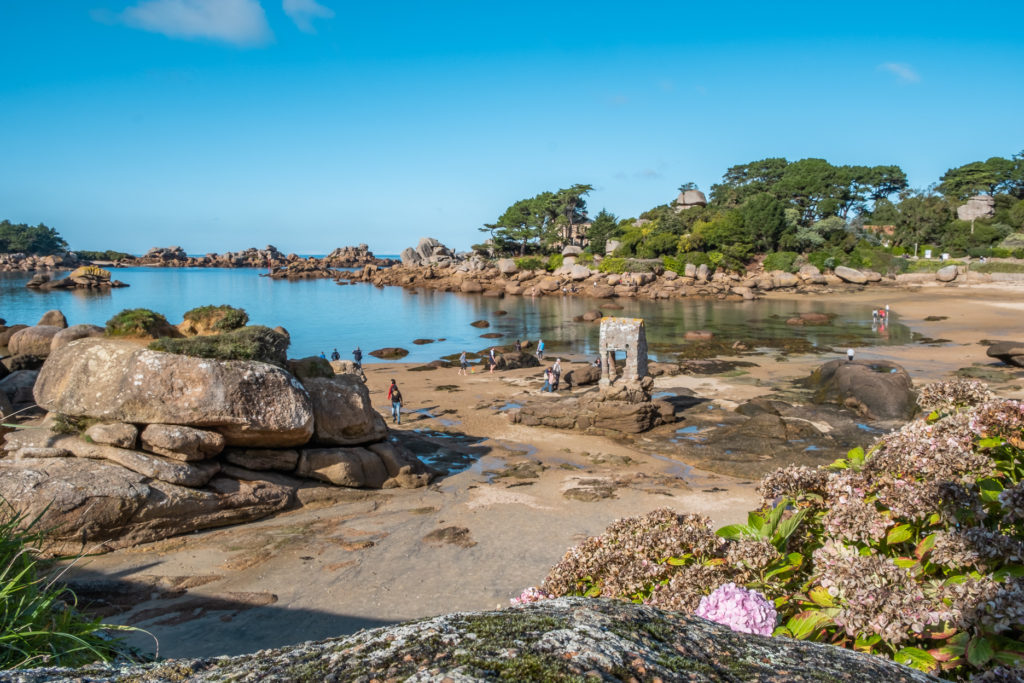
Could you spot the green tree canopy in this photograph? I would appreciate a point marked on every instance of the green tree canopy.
(19, 237)
(605, 226)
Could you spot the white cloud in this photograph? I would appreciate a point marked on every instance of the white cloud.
(239, 22)
(303, 12)
(902, 71)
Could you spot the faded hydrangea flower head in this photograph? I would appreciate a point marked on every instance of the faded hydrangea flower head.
(741, 609)
(945, 397)
(531, 594)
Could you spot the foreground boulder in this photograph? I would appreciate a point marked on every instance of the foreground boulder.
(250, 403)
(879, 389)
(34, 341)
(101, 506)
(344, 415)
(563, 639)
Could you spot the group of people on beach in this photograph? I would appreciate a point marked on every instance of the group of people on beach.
(552, 376)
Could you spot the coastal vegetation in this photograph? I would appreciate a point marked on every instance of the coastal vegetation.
(255, 342)
(223, 318)
(40, 624)
(39, 239)
(137, 322)
(913, 550)
(805, 211)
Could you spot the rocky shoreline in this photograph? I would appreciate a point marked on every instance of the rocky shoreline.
(270, 258)
(432, 266)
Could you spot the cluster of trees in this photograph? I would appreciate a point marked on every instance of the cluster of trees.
(771, 205)
(534, 224)
(39, 239)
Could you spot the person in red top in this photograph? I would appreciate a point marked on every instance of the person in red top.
(395, 396)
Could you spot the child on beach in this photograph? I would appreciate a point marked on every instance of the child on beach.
(493, 361)
(463, 364)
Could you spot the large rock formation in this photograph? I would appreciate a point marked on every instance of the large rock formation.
(879, 389)
(96, 505)
(978, 206)
(552, 640)
(250, 403)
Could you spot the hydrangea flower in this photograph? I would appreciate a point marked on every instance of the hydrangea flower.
(531, 594)
(743, 610)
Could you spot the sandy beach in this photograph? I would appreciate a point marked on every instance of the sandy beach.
(476, 538)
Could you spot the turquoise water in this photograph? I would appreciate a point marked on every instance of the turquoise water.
(321, 315)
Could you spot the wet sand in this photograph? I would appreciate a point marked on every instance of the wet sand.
(474, 539)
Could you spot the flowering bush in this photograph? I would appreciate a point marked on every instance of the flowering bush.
(912, 550)
(740, 609)
(531, 594)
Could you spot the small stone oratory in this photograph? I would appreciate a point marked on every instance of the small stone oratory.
(623, 334)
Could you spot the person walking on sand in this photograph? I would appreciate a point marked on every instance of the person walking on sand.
(849, 355)
(519, 346)
(492, 360)
(547, 380)
(463, 364)
(395, 396)
(357, 356)
(556, 374)
(540, 349)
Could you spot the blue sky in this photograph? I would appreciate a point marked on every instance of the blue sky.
(308, 124)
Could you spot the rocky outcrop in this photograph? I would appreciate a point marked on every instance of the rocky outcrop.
(34, 341)
(33, 262)
(1010, 352)
(83, 277)
(562, 639)
(851, 275)
(342, 411)
(978, 206)
(66, 336)
(946, 273)
(95, 505)
(269, 258)
(607, 412)
(250, 403)
(877, 389)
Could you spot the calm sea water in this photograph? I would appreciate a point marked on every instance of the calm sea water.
(321, 315)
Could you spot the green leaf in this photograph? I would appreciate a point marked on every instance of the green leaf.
(787, 527)
(1014, 570)
(916, 658)
(905, 562)
(926, 544)
(1008, 657)
(776, 516)
(736, 532)
(807, 623)
(678, 561)
(863, 644)
(840, 464)
(990, 489)
(593, 592)
(979, 651)
(991, 442)
(819, 596)
(899, 534)
(933, 416)
(756, 522)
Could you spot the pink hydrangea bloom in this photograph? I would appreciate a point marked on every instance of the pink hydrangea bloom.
(743, 610)
(531, 594)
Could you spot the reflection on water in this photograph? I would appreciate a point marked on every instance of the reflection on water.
(321, 316)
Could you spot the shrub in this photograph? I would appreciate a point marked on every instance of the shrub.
(674, 264)
(781, 260)
(249, 343)
(697, 258)
(998, 267)
(554, 262)
(39, 621)
(529, 263)
(634, 265)
(220, 318)
(612, 264)
(108, 255)
(137, 322)
(913, 550)
(586, 258)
